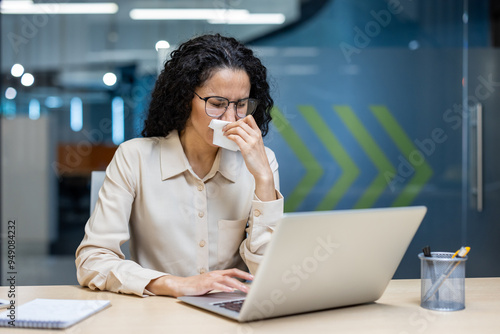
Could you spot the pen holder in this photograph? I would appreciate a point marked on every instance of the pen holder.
(442, 281)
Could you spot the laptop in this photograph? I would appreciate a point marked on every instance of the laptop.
(321, 260)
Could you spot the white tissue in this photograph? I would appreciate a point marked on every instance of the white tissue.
(219, 138)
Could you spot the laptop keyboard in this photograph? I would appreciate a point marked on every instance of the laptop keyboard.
(234, 305)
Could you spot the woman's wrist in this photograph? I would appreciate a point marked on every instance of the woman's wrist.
(164, 286)
(265, 189)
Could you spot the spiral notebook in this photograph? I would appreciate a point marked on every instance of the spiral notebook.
(51, 313)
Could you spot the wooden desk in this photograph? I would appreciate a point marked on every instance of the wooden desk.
(398, 311)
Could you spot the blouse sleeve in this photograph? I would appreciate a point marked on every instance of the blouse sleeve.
(100, 263)
(263, 219)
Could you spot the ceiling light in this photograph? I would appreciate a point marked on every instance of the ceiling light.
(17, 70)
(162, 45)
(10, 93)
(109, 79)
(251, 19)
(27, 79)
(28, 7)
(185, 14)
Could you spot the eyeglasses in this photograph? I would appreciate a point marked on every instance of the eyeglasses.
(216, 106)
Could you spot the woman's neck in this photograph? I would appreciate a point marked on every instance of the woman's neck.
(201, 156)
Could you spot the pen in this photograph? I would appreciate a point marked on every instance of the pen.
(462, 252)
(427, 253)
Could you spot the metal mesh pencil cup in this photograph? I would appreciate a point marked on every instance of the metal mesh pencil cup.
(442, 282)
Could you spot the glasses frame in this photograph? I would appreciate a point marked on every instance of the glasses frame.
(228, 103)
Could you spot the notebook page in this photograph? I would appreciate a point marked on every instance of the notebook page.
(52, 313)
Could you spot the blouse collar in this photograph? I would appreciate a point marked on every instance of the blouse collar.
(174, 162)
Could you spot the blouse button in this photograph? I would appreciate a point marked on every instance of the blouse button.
(200, 187)
(202, 243)
(202, 271)
(257, 213)
(201, 214)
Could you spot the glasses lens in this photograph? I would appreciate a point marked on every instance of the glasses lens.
(216, 106)
(246, 107)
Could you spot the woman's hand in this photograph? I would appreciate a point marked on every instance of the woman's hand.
(200, 284)
(246, 133)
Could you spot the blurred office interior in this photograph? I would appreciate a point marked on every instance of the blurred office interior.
(378, 103)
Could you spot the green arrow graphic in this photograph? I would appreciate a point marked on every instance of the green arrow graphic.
(349, 169)
(373, 151)
(313, 168)
(423, 171)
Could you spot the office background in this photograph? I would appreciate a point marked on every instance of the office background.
(378, 103)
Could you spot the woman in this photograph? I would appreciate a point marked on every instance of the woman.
(197, 215)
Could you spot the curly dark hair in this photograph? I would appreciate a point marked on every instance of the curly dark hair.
(191, 65)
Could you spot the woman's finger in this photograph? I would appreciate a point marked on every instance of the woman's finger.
(240, 273)
(251, 122)
(240, 128)
(234, 283)
(222, 287)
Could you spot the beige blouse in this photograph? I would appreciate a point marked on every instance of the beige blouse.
(177, 223)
